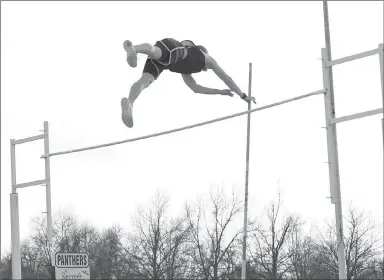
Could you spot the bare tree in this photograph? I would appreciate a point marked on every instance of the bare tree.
(231, 262)
(68, 236)
(177, 264)
(65, 236)
(376, 269)
(302, 255)
(362, 246)
(155, 248)
(6, 266)
(107, 256)
(270, 254)
(35, 252)
(31, 265)
(213, 244)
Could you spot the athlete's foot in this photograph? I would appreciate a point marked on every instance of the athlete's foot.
(126, 112)
(131, 53)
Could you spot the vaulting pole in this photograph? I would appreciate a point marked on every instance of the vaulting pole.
(244, 264)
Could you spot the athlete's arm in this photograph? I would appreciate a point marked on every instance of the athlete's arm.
(190, 81)
(212, 64)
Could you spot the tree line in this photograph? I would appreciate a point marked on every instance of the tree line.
(205, 242)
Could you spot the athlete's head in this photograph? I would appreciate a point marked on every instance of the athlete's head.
(189, 43)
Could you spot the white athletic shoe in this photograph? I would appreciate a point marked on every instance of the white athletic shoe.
(131, 53)
(126, 112)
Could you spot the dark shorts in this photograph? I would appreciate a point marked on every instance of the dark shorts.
(172, 51)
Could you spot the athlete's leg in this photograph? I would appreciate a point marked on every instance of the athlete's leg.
(153, 52)
(145, 80)
(127, 103)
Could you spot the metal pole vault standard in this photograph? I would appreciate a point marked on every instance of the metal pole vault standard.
(333, 166)
(331, 122)
(48, 185)
(381, 61)
(15, 236)
(15, 230)
(333, 159)
(244, 264)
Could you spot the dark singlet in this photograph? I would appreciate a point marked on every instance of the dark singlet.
(194, 62)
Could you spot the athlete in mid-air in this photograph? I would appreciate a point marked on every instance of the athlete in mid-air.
(180, 57)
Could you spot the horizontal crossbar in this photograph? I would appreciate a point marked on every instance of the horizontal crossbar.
(29, 139)
(352, 57)
(357, 116)
(187, 127)
(33, 183)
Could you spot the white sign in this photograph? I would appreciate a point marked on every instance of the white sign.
(72, 266)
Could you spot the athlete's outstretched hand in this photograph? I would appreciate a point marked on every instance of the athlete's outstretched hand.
(226, 92)
(249, 98)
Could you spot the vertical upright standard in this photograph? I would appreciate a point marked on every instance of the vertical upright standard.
(15, 230)
(333, 166)
(48, 185)
(333, 158)
(244, 264)
(381, 61)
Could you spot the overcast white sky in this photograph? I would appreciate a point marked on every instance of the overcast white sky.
(63, 62)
